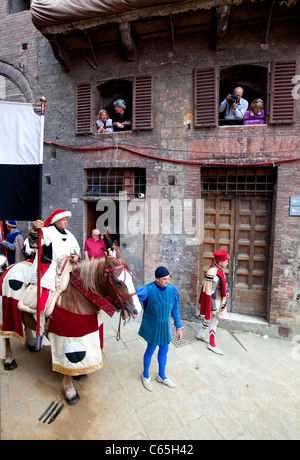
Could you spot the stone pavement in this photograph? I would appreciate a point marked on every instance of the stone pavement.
(243, 395)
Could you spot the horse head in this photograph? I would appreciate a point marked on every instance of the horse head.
(118, 286)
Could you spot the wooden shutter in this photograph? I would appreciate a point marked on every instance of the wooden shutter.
(205, 97)
(282, 105)
(84, 108)
(143, 113)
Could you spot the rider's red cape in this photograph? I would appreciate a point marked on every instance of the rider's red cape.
(205, 295)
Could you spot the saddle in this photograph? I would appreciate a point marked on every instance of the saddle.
(28, 300)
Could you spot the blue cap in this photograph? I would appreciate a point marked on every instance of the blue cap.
(160, 272)
(11, 223)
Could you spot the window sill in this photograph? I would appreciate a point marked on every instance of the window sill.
(243, 126)
(113, 133)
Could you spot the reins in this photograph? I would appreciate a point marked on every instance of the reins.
(105, 303)
(106, 277)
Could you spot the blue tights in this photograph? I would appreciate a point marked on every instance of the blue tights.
(161, 357)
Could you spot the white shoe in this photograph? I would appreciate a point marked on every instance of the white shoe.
(200, 337)
(215, 350)
(147, 383)
(167, 382)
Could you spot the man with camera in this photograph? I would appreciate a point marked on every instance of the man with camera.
(234, 105)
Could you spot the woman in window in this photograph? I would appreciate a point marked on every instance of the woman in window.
(255, 115)
(104, 123)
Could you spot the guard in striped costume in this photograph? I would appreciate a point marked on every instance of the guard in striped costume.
(213, 299)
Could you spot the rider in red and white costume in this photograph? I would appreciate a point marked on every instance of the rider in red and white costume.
(56, 242)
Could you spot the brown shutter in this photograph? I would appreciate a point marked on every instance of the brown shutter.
(205, 97)
(142, 111)
(282, 105)
(84, 108)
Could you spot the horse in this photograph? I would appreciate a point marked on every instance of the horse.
(109, 281)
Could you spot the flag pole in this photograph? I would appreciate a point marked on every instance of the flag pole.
(39, 335)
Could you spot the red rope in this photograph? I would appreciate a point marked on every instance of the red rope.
(170, 160)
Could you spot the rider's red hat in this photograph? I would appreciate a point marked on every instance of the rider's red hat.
(221, 255)
(57, 215)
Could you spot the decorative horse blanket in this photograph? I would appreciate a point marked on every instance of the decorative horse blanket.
(16, 278)
(76, 340)
(18, 295)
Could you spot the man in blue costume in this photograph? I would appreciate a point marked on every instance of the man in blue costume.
(13, 243)
(160, 301)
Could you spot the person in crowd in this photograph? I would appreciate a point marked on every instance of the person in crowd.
(94, 246)
(56, 242)
(122, 116)
(160, 300)
(29, 250)
(213, 299)
(104, 123)
(234, 105)
(255, 115)
(107, 238)
(14, 243)
(115, 251)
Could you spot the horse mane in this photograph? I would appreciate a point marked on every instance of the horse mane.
(91, 271)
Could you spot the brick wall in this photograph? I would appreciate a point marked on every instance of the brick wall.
(39, 73)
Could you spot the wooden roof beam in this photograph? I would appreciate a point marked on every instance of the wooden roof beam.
(222, 15)
(128, 41)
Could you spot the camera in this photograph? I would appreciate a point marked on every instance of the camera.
(233, 99)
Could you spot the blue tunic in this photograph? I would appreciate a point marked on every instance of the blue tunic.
(10, 245)
(159, 304)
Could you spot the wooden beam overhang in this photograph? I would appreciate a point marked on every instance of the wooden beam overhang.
(222, 15)
(128, 42)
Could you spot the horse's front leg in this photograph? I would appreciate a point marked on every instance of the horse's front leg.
(29, 339)
(70, 393)
(10, 362)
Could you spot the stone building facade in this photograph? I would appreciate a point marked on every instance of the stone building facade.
(183, 182)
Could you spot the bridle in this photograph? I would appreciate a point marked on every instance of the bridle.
(107, 278)
(119, 300)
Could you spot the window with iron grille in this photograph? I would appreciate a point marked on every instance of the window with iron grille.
(238, 181)
(103, 182)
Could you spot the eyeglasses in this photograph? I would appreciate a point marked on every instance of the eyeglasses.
(259, 100)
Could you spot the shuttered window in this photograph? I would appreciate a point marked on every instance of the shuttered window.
(205, 97)
(282, 105)
(142, 107)
(84, 108)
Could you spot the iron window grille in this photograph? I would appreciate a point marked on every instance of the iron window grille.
(104, 182)
(238, 181)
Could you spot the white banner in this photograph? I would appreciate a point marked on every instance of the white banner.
(20, 134)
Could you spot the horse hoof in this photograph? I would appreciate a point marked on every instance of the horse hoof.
(10, 366)
(32, 348)
(73, 401)
(80, 378)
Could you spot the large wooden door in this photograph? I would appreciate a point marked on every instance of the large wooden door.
(251, 255)
(242, 227)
